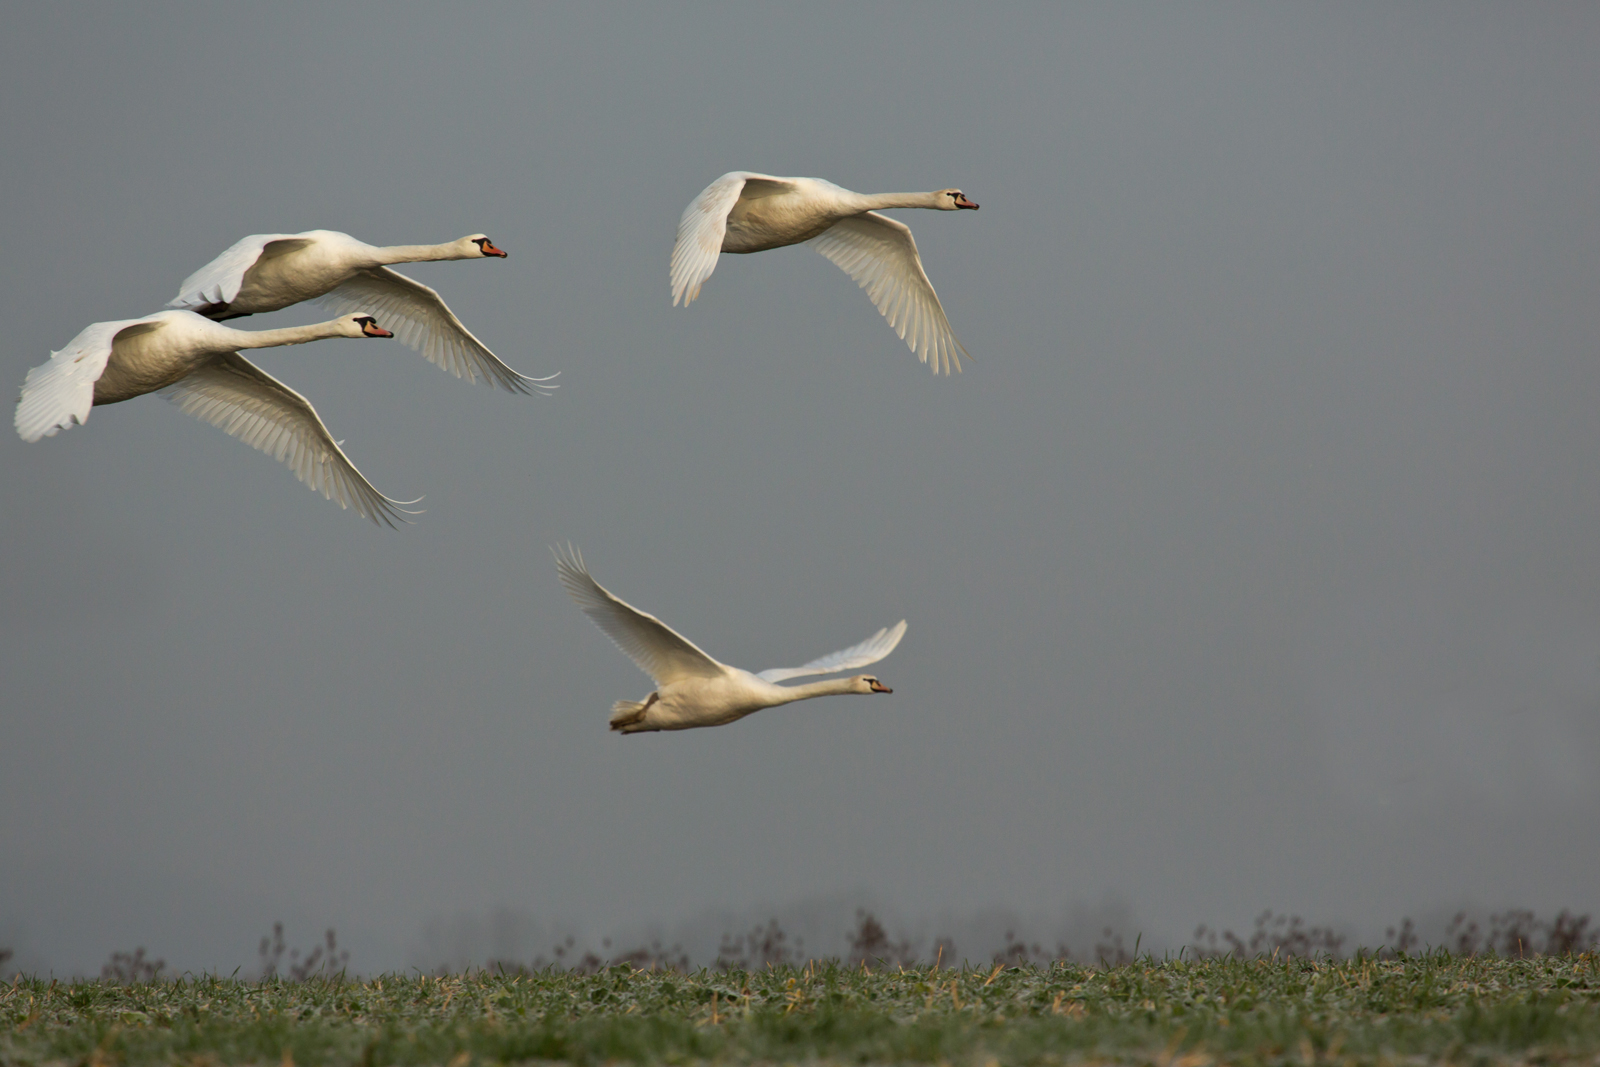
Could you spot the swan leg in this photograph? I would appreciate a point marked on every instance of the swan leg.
(628, 717)
(639, 728)
(219, 312)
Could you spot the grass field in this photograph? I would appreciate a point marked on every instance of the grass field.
(1426, 1008)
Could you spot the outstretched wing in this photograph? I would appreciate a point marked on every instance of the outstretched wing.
(246, 402)
(658, 649)
(218, 282)
(701, 229)
(871, 650)
(420, 319)
(58, 395)
(881, 255)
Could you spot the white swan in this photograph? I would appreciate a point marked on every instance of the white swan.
(198, 363)
(269, 271)
(747, 212)
(692, 689)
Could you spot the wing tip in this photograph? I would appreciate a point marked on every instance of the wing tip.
(526, 384)
(570, 566)
(391, 511)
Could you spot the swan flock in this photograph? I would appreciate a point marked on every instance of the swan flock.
(186, 353)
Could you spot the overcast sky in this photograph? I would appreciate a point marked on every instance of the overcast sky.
(1253, 562)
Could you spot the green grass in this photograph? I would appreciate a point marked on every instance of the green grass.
(1433, 1008)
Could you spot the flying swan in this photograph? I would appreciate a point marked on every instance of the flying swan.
(692, 689)
(747, 212)
(269, 271)
(196, 361)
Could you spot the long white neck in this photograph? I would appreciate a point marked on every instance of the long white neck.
(292, 335)
(832, 687)
(879, 201)
(424, 253)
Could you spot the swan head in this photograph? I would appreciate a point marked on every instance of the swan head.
(361, 324)
(954, 200)
(866, 683)
(479, 245)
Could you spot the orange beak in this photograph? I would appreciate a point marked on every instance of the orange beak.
(879, 687)
(372, 329)
(490, 250)
(962, 201)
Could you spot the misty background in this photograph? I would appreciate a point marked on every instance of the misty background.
(1254, 562)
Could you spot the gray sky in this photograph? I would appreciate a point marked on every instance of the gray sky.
(1252, 563)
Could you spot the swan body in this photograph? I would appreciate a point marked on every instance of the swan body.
(270, 271)
(743, 212)
(197, 363)
(692, 689)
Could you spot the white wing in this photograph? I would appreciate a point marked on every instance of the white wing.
(246, 402)
(218, 282)
(58, 395)
(701, 229)
(871, 650)
(659, 650)
(420, 319)
(881, 255)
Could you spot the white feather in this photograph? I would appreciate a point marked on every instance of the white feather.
(58, 395)
(218, 282)
(658, 650)
(421, 320)
(867, 652)
(881, 256)
(701, 230)
(246, 402)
